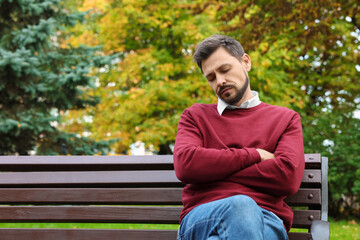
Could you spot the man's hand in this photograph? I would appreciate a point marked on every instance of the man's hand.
(265, 154)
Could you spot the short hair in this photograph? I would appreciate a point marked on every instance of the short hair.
(205, 48)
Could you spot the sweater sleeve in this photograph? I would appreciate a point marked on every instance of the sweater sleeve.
(194, 163)
(282, 175)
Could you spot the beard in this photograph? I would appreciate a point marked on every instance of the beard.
(239, 92)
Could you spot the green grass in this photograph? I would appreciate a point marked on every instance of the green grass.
(344, 230)
(339, 230)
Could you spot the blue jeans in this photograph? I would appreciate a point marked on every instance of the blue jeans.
(236, 217)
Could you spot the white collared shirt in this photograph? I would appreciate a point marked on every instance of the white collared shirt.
(252, 102)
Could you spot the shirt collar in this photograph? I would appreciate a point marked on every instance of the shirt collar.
(252, 102)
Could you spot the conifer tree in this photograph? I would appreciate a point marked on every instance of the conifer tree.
(40, 78)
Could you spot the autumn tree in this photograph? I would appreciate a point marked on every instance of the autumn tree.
(306, 57)
(155, 78)
(40, 79)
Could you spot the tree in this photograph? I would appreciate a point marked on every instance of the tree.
(155, 78)
(40, 79)
(306, 57)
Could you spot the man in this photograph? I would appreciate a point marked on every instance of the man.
(240, 158)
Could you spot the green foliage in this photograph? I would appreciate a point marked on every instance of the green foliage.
(337, 135)
(306, 57)
(40, 79)
(65, 143)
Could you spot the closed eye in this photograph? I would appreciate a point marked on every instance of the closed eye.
(210, 77)
(224, 70)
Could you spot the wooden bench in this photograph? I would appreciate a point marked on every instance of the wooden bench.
(122, 189)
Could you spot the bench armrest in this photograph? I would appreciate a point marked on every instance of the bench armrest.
(320, 230)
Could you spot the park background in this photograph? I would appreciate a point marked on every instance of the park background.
(97, 76)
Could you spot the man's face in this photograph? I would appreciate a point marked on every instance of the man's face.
(228, 76)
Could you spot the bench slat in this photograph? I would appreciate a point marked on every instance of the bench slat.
(88, 234)
(90, 214)
(304, 218)
(311, 176)
(76, 163)
(120, 196)
(115, 214)
(313, 160)
(96, 234)
(93, 177)
(299, 236)
(91, 195)
(93, 160)
(103, 163)
(310, 196)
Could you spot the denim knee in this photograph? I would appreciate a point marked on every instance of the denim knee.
(242, 201)
(240, 205)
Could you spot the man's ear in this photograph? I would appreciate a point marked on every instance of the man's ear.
(246, 61)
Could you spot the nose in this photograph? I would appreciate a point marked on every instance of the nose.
(220, 80)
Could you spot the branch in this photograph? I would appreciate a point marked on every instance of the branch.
(353, 20)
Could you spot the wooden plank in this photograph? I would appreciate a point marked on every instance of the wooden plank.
(93, 177)
(86, 163)
(103, 163)
(121, 196)
(307, 196)
(312, 176)
(122, 159)
(90, 214)
(91, 196)
(313, 160)
(68, 160)
(88, 234)
(299, 236)
(96, 234)
(304, 218)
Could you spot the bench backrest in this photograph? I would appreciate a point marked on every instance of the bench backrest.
(118, 189)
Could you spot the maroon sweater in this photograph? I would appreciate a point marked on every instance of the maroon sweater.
(215, 156)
